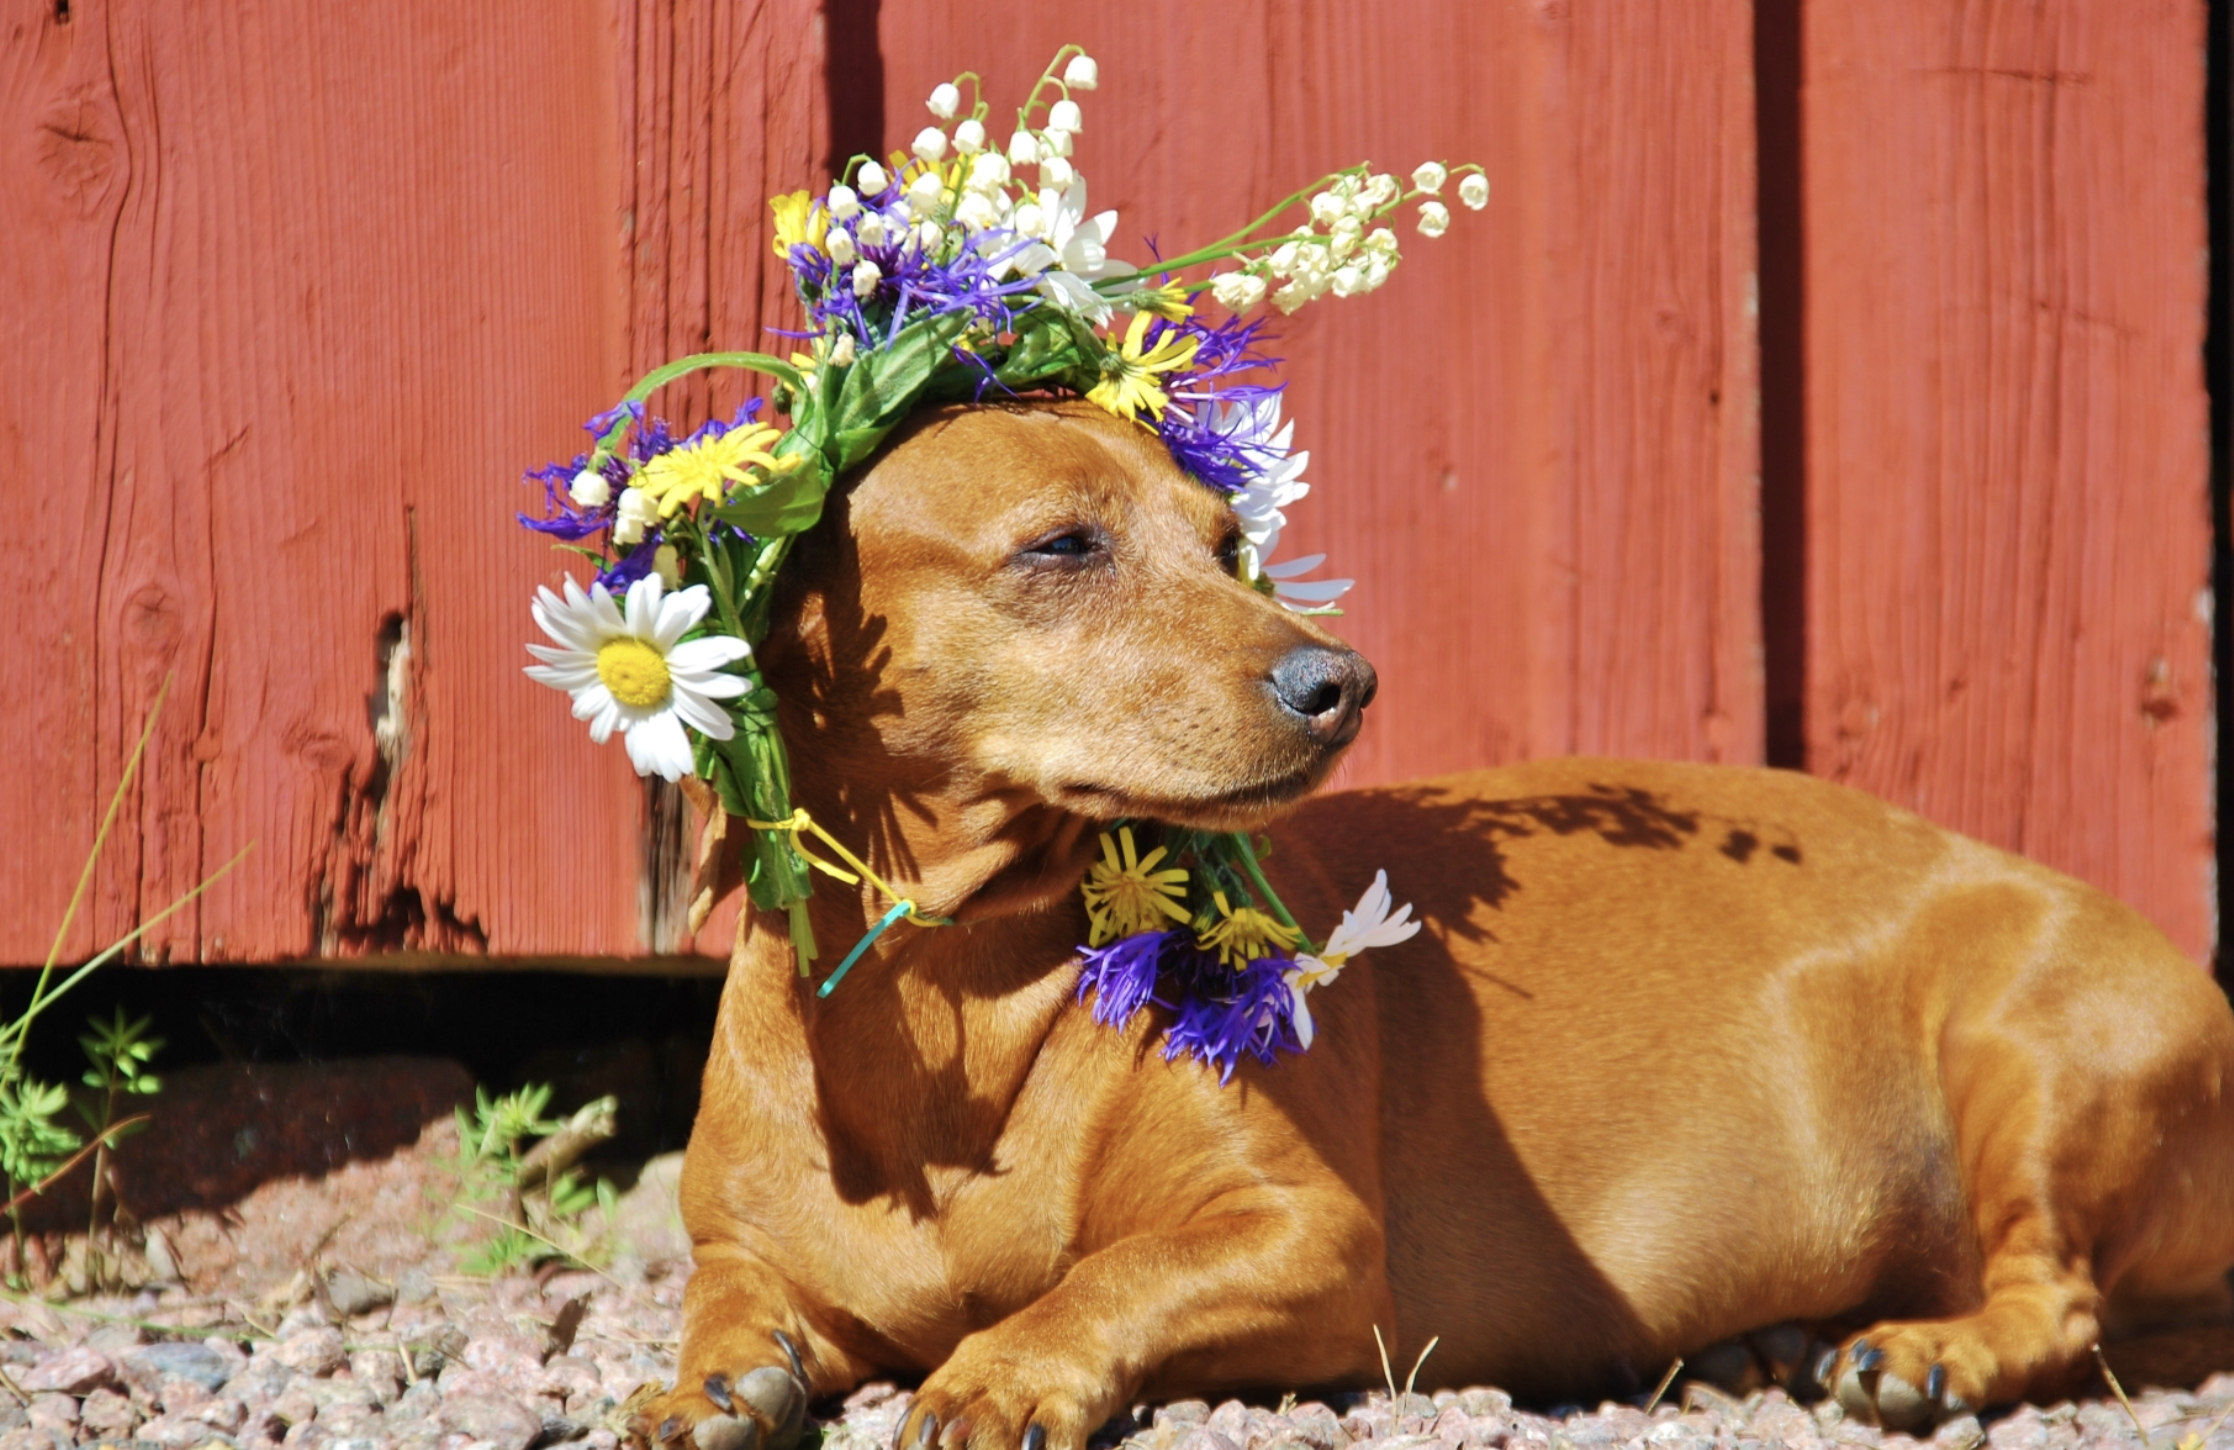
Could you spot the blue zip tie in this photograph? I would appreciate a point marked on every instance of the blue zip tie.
(899, 909)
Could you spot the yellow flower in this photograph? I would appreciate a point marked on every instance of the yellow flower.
(1168, 301)
(704, 469)
(1128, 385)
(798, 220)
(1242, 936)
(1126, 894)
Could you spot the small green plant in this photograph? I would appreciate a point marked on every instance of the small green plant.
(530, 1197)
(118, 1052)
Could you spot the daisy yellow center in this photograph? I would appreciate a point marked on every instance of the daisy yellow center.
(634, 671)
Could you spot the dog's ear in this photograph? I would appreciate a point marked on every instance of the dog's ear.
(721, 856)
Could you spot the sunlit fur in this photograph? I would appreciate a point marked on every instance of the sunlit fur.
(1683, 1051)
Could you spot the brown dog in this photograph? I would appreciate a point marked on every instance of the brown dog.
(1683, 1052)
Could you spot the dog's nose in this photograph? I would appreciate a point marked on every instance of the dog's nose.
(1328, 689)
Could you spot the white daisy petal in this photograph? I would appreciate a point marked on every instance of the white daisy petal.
(561, 678)
(678, 614)
(708, 652)
(713, 687)
(659, 745)
(703, 715)
(643, 606)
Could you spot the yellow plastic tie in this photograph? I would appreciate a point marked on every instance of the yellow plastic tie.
(800, 821)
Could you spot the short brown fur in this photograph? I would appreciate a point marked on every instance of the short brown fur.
(1682, 1052)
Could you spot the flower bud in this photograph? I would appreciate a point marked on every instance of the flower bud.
(1381, 242)
(969, 137)
(871, 179)
(1064, 116)
(930, 143)
(989, 172)
(1237, 292)
(1053, 142)
(1377, 268)
(1056, 172)
(871, 230)
(1327, 209)
(1381, 190)
(841, 248)
(945, 100)
(1343, 239)
(1030, 220)
(1023, 149)
(668, 565)
(976, 212)
(924, 193)
(1435, 218)
(1081, 74)
(1473, 189)
(1283, 259)
(590, 489)
(866, 275)
(841, 351)
(1348, 281)
(844, 205)
(634, 514)
(1429, 176)
(928, 236)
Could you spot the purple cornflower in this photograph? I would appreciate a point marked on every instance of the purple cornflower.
(1251, 1012)
(1122, 976)
(1198, 427)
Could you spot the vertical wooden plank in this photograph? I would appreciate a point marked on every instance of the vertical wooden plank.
(1536, 448)
(2007, 441)
(722, 107)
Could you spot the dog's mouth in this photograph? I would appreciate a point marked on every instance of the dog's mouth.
(1239, 808)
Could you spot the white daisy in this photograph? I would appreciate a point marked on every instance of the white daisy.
(1254, 424)
(1076, 247)
(1371, 925)
(629, 673)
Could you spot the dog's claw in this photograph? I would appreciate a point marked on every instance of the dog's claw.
(1819, 1370)
(669, 1429)
(1035, 1438)
(1867, 1358)
(1935, 1384)
(791, 1352)
(726, 1432)
(926, 1430)
(717, 1390)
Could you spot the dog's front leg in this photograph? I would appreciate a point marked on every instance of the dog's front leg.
(1276, 1287)
(749, 1364)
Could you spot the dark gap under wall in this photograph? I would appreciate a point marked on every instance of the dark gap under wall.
(1781, 219)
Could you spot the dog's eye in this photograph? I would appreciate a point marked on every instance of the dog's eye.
(1063, 547)
(1229, 553)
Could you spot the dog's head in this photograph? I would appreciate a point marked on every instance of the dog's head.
(1034, 604)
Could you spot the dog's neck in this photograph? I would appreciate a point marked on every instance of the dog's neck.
(960, 1010)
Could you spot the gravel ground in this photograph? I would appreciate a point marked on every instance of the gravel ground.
(319, 1313)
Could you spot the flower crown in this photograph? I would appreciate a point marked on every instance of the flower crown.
(945, 276)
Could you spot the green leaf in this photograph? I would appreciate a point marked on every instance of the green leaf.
(789, 503)
(883, 386)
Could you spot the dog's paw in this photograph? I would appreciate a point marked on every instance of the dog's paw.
(1912, 1376)
(985, 1399)
(764, 1408)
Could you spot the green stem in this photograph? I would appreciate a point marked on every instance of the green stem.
(1226, 246)
(1272, 898)
(659, 377)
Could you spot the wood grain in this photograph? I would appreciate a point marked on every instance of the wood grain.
(1536, 448)
(2008, 529)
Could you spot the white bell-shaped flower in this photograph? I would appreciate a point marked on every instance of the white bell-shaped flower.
(946, 99)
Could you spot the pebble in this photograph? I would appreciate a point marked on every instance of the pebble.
(75, 1371)
(313, 1351)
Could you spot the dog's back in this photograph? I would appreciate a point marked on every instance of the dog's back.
(1690, 1050)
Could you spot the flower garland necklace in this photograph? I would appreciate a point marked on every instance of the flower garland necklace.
(942, 277)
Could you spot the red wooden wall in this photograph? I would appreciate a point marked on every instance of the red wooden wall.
(292, 297)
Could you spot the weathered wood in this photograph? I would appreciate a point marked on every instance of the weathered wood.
(2008, 535)
(295, 295)
(1536, 448)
